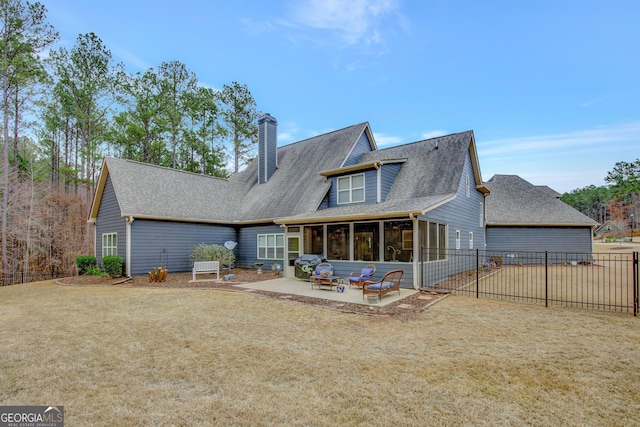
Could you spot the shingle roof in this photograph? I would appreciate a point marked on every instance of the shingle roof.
(145, 190)
(514, 201)
(429, 176)
(296, 186)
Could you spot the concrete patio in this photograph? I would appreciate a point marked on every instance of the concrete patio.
(290, 286)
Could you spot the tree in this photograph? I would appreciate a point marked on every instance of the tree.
(625, 184)
(240, 117)
(137, 131)
(87, 87)
(205, 152)
(23, 36)
(176, 82)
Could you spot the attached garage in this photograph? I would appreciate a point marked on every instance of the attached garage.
(523, 217)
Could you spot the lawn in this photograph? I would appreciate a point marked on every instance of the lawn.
(151, 356)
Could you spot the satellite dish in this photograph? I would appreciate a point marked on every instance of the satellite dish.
(230, 245)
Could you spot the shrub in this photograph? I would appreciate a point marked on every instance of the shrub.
(112, 265)
(85, 262)
(497, 259)
(95, 271)
(206, 252)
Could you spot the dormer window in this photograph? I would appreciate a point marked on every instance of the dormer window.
(351, 189)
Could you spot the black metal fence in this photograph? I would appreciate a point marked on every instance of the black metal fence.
(597, 281)
(17, 278)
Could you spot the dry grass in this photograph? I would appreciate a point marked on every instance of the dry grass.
(129, 356)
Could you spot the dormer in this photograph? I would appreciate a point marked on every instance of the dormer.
(361, 183)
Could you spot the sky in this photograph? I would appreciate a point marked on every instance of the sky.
(551, 88)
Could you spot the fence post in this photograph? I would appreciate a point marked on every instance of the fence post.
(546, 278)
(477, 273)
(635, 283)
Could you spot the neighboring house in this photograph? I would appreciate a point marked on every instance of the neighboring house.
(612, 228)
(335, 194)
(526, 218)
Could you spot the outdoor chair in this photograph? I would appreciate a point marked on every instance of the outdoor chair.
(390, 282)
(323, 275)
(365, 275)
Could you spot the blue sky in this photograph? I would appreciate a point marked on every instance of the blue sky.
(551, 88)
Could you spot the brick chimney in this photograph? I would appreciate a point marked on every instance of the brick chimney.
(267, 147)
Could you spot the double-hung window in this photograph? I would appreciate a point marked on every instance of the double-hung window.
(270, 246)
(351, 189)
(109, 244)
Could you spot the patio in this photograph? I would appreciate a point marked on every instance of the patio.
(302, 288)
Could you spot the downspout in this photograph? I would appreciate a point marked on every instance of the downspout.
(416, 252)
(378, 167)
(130, 220)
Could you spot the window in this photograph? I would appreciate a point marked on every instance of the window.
(470, 240)
(468, 186)
(366, 238)
(398, 241)
(109, 244)
(351, 189)
(338, 241)
(434, 239)
(270, 246)
(481, 215)
(314, 240)
(457, 239)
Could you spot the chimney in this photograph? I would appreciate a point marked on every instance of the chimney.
(267, 147)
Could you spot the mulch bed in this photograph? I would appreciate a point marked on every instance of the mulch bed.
(408, 306)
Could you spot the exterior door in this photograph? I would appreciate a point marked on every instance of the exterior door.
(293, 250)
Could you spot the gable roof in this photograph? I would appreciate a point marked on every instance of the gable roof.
(296, 186)
(144, 190)
(149, 191)
(429, 176)
(516, 202)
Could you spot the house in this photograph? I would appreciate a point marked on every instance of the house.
(335, 194)
(528, 218)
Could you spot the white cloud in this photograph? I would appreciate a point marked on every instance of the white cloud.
(433, 134)
(383, 140)
(604, 137)
(350, 22)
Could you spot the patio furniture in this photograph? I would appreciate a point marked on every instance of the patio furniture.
(390, 282)
(365, 275)
(206, 267)
(323, 276)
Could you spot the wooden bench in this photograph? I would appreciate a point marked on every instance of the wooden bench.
(206, 267)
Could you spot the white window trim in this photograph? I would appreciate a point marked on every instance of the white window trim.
(471, 240)
(468, 186)
(111, 250)
(457, 239)
(275, 246)
(350, 189)
(481, 215)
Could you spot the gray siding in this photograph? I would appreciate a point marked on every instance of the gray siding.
(150, 238)
(370, 188)
(389, 173)
(362, 146)
(540, 239)
(247, 251)
(463, 214)
(109, 220)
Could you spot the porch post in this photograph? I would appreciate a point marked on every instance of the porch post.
(416, 253)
